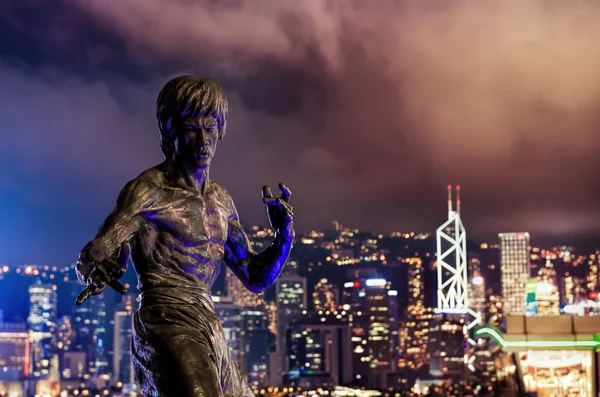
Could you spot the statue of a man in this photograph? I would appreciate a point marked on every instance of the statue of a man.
(178, 226)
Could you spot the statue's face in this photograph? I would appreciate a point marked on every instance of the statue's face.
(196, 141)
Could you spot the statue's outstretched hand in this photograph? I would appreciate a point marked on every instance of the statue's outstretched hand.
(279, 211)
(97, 275)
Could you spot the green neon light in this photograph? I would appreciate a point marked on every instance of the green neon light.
(492, 332)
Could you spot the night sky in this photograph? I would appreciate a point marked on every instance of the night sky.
(365, 109)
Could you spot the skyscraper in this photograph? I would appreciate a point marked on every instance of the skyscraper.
(326, 296)
(547, 295)
(372, 306)
(477, 299)
(123, 328)
(319, 353)
(42, 307)
(291, 302)
(414, 338)
(89, 324)
(514, 260)
(15, 353)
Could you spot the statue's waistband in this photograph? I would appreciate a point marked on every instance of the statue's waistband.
(175, 296)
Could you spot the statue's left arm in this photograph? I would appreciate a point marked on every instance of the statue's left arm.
(258, 271)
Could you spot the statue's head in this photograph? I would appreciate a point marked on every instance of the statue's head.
(192, 117)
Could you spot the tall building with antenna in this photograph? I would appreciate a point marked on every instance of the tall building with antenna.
(449, 353)
(452, 296)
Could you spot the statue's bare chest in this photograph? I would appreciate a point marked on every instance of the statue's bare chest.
(191, 219)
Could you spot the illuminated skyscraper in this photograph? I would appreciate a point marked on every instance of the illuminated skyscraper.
(89, 324)
(514, 259)
(414, 336)
(547, 295)
(477, 299)
(452, 295)
(373, 309)
(122, 331)
(15, 353)
(447, 346)
(291, 302)
(65, 335)
(256, 340)
(42, 307)
(319, 354)
(326, 296)
(452, 261)
(416, 285)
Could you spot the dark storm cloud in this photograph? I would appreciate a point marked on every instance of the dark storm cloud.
(366, 109)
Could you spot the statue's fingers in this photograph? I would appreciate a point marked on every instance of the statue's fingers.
(98, 286)
(84, 295)
(272, 202)
(286, 193)
(266, 192)
(101, 274)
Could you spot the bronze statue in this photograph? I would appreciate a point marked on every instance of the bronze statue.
(178, 225)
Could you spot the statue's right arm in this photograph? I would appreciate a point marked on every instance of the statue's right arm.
(119, 227)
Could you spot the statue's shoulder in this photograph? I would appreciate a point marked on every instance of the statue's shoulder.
(221, 193)
(148, 182)
(218, 189)
(154, 176)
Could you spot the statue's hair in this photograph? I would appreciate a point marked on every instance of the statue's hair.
(188, 96)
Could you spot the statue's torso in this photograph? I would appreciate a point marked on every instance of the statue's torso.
(181, 239)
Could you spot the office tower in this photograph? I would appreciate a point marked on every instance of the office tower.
(452, 260)
(326, 296)
(291, 302)
(514, 262)
(65, 333)
(489, 255)
(372, 306)
(257, 340)
(414, 339)
(319, 353)
(452, 265)
(415, 327)
(416, 285)
(477, 299)
(447, 347)
(547, 295)
(89, 324)
(122, 333)
(15, 353)
(42, 307)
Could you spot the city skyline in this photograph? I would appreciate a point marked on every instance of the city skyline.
(350, 309)
(366, 118)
